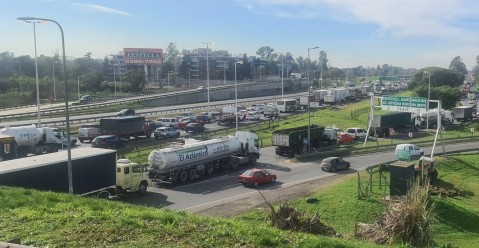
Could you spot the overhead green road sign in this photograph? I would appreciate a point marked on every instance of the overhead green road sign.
(404, 104)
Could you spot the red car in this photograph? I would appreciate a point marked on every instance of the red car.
(256, 177)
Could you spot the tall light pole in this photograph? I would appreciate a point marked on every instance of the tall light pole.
(54, 83)
(34, 21)
(189, 78)
(347, 70)
(282, 77)
(78, 81)
(309, 99)
(207, 71)
(320, 71)
(428, 97)
(67, 115)
(157, 81)
(236, 94)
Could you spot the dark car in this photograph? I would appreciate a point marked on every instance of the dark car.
(334, 163)
(109, 141)
(194, 127)
(126, 112)
(203, 119)
(256, 177)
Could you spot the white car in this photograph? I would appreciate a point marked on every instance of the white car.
(408, 152)
(252, 115)
(357, 133)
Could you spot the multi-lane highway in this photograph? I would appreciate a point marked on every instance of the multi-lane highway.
(222, 188)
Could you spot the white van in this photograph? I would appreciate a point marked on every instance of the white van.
(166, 122)
(357, 133)
(408, 152)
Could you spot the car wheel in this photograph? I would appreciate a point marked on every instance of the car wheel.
(273, 180)
(256, 184)
(333, 169)
(167, 136)
(156, 137)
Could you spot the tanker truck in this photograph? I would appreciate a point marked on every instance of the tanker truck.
(36, 140)
(180, 163)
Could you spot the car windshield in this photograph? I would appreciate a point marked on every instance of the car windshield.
(248, 173)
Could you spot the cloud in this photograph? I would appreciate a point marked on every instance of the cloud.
(103, 9)
(447, 20)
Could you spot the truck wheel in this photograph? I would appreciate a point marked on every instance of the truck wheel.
(183, 176)
(103, 195)
(81, 140)
(253, 159)
(142, 189)
(234, 163)
(209, 169)
(148, 135)
(192, 174)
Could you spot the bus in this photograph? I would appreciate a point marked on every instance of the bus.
(287, 105)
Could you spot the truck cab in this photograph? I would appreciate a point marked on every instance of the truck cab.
(131, 177)
(7, 147)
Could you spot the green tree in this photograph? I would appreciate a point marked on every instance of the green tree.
(458, 66)
(266, 53)
(444, 85)
(136, 79)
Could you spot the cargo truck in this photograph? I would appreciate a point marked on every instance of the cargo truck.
(463, 113)
(95, 172)
(126, 127)
(292, 141)
(397, 121)
(37, 140)
(306, 100)
(181, 163)
(421, 120)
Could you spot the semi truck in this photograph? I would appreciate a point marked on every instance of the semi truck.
(94, 172)
(126, 127)
(397, 121)
(292, 141)
(306, 100)
(421, 120)
(181, 163)
(36, 140)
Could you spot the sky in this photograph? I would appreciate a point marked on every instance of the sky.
(405, 33)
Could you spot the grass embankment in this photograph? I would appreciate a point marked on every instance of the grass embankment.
(58, 220)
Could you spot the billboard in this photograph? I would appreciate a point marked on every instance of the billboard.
(141, 56)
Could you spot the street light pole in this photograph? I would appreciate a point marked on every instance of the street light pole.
(207, 71)
(282, 77)
(67, 115)
(309, 99)
(236, 94)
(157, 82)
(54, 87)
(34, 21)
(428, 97)
(20, 76)
(320, 72)
(78, 81)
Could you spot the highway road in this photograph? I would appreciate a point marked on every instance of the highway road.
(222, 187)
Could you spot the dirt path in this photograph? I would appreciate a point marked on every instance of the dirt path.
(273, 196)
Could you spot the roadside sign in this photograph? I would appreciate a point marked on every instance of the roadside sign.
(410, 134)
(415, 105)
(472, 130)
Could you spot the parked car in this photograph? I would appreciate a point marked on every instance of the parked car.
(256, 177)
(184, 115)
(166, 132)
(86, 99)
(344, 138)
(109, 141)
(126, 112)
(194, 127)
(334, 163)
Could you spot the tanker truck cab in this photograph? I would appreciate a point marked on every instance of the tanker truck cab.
(249, 141)
(131, 177)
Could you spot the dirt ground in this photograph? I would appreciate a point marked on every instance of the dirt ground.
(273, 196)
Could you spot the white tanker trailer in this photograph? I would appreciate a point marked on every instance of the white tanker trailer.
(184, 162)
(30, 139)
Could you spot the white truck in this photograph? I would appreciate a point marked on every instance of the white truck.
(303, 101)
(181, 163)
(296, 75)
(37, 140)
(420, 121)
